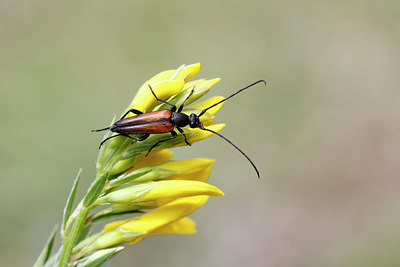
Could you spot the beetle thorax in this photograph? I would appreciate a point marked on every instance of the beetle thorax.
(179, 119)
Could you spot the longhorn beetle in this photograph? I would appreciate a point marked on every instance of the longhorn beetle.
(165, 121)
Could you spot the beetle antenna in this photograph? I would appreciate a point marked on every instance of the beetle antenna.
(232, 95)
(99, 130)
(237, 148)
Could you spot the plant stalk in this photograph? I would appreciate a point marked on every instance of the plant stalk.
(69, 240)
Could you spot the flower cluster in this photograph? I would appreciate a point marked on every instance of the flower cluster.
(139, 195)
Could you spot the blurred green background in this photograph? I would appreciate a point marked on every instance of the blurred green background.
(324, 132)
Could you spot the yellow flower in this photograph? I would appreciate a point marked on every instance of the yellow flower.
(160, 221)
(157, 192)
(172, 86)
(164, 84)
(168, 219)
(190, 169)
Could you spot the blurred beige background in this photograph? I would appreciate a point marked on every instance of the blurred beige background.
(324, 132)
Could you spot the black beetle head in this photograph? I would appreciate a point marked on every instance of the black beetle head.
(194, 121)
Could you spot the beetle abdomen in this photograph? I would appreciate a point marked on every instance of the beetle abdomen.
(151, 123)
(146, 117)
(161, 126)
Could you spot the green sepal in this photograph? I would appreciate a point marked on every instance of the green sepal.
(142, 175)
(117, 210)
(101, 157)
(95, 190)
(121, 166)
(127, 178)
(70, 200)
(84, 233)
(99, 257)
(110, 216)
(45, 254)
(155, 174)
(127, 195)
(86, 242)
(109, 239)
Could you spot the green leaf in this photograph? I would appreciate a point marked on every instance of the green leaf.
(70, 200)
(99, 257)
(45, 254)
(53, 259)
(95, 190)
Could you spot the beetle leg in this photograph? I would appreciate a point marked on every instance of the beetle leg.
(135, 111)
(181, 107)
(184, 135)
(174, 135)
(108, 138)
(165, 102)
(143, 137)
(103, 129)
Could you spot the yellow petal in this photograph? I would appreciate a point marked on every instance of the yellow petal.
(209, 102)
(184, 226)
(154, 158)
(197, 134)
(189, 71)
(164, 215)
(187, 166)
(159, 77)
(206, 121)
(201, 87)
(144, 88)
(201, 175)
(192, 83)
(208, 83)
(145, 100)
(113, 225)
(178, 189)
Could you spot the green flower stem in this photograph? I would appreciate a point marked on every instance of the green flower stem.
(69, 241)
(79, 217)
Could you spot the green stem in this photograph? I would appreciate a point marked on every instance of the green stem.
(71, 219)
(80, 215)
(70, 239)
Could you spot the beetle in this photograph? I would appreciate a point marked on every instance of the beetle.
(166, 121)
